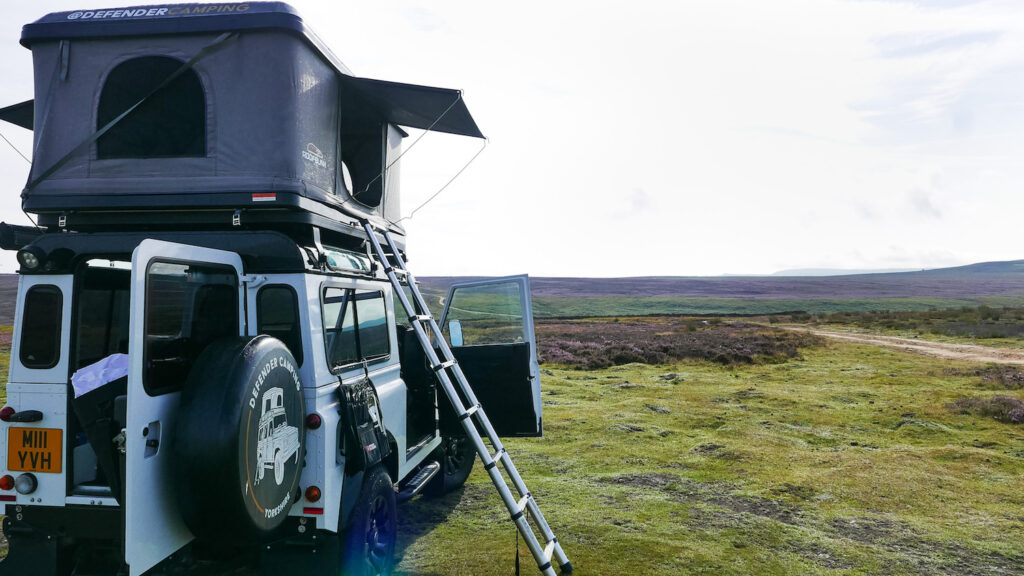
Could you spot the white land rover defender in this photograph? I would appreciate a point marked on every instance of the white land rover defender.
(209, 361)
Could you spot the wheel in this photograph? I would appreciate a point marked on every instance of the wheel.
(279, 468)
(368, 545)
(457, 456)
(242, 398)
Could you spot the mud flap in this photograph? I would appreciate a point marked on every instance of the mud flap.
(33, 552)
(300, 553)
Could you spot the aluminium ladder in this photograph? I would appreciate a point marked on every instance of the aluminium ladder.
(448, 370)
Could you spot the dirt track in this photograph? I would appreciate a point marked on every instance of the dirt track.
(967, 352)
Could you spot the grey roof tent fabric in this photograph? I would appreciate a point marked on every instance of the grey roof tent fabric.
(279, 113)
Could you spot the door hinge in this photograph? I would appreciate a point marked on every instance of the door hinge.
(251, 280)
(236, 218)
(62, 221)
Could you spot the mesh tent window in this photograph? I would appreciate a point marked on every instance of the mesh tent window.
(170, 123)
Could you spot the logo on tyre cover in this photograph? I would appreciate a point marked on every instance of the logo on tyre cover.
(272, 454)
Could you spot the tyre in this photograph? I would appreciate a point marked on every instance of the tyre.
(368, 545)
(241, 406)
(278, 468)
(456, 456)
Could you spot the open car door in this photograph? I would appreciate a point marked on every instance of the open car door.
(182, 298)
(489, 326)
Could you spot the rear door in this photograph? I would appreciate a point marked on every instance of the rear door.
(489, 326)
(182, 298)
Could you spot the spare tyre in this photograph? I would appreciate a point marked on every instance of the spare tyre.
(239, 439)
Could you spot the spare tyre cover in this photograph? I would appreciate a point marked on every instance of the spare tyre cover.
(240, 439)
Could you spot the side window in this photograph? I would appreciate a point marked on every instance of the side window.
(170, 123)
(188, 306)
(374, 341)
(40, 327)
(277, 315)
(355, 327)
(339, 328)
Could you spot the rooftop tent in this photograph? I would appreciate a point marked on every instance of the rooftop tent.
(228, 105)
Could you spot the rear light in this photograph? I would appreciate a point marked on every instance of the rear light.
(8, 498)
(313, 421)
(26, 483)
(7, 482)
(6, 413)
(313, 511)
(313, 494)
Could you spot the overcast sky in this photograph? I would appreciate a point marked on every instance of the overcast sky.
(683, 137)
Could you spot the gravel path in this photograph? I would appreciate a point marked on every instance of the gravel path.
(968, 352)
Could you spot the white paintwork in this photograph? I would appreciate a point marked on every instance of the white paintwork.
(51, 400)
(59, 373)
(44, 390)
(154, 526)
(523, 282)
(91, 501)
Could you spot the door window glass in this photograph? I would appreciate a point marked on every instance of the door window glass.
(355, 327)
(101, 316)
(277, 312)
(188, 306)
(490, 314)
(40, 327)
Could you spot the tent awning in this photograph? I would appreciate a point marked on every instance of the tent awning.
(20, 114)
(410, 105)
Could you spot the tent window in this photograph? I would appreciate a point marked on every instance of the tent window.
(170, 123)
(363, 153)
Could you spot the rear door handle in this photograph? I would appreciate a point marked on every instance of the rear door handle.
(27, 416)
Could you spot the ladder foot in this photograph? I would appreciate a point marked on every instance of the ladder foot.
(565, 569)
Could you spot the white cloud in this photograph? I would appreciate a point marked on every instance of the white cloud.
(689, 137)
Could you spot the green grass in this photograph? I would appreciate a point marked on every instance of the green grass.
(847, 462)
(723, 306)
(844, 462)
(631, 306)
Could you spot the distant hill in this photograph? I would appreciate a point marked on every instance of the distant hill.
(984, 279)
(991, 283)
(833, 272)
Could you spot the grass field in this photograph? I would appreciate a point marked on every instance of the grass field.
(831, 459)
(845, 461)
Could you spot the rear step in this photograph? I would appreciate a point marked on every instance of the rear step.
(419, 481)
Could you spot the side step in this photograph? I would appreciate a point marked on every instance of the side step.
(419, 481)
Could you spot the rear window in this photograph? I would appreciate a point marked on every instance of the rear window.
(277, 311)
(40, 327)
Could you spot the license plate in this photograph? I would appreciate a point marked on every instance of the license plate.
(35, 450)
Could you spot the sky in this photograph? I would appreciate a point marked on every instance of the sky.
(681, 137)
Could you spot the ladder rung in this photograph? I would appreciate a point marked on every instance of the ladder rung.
(521, 505)
(393, 270)
(419, 318)
(469, 412)
(494, 459)
(443, 365)
(550, 549)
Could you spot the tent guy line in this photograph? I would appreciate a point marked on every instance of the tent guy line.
(15, 148)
